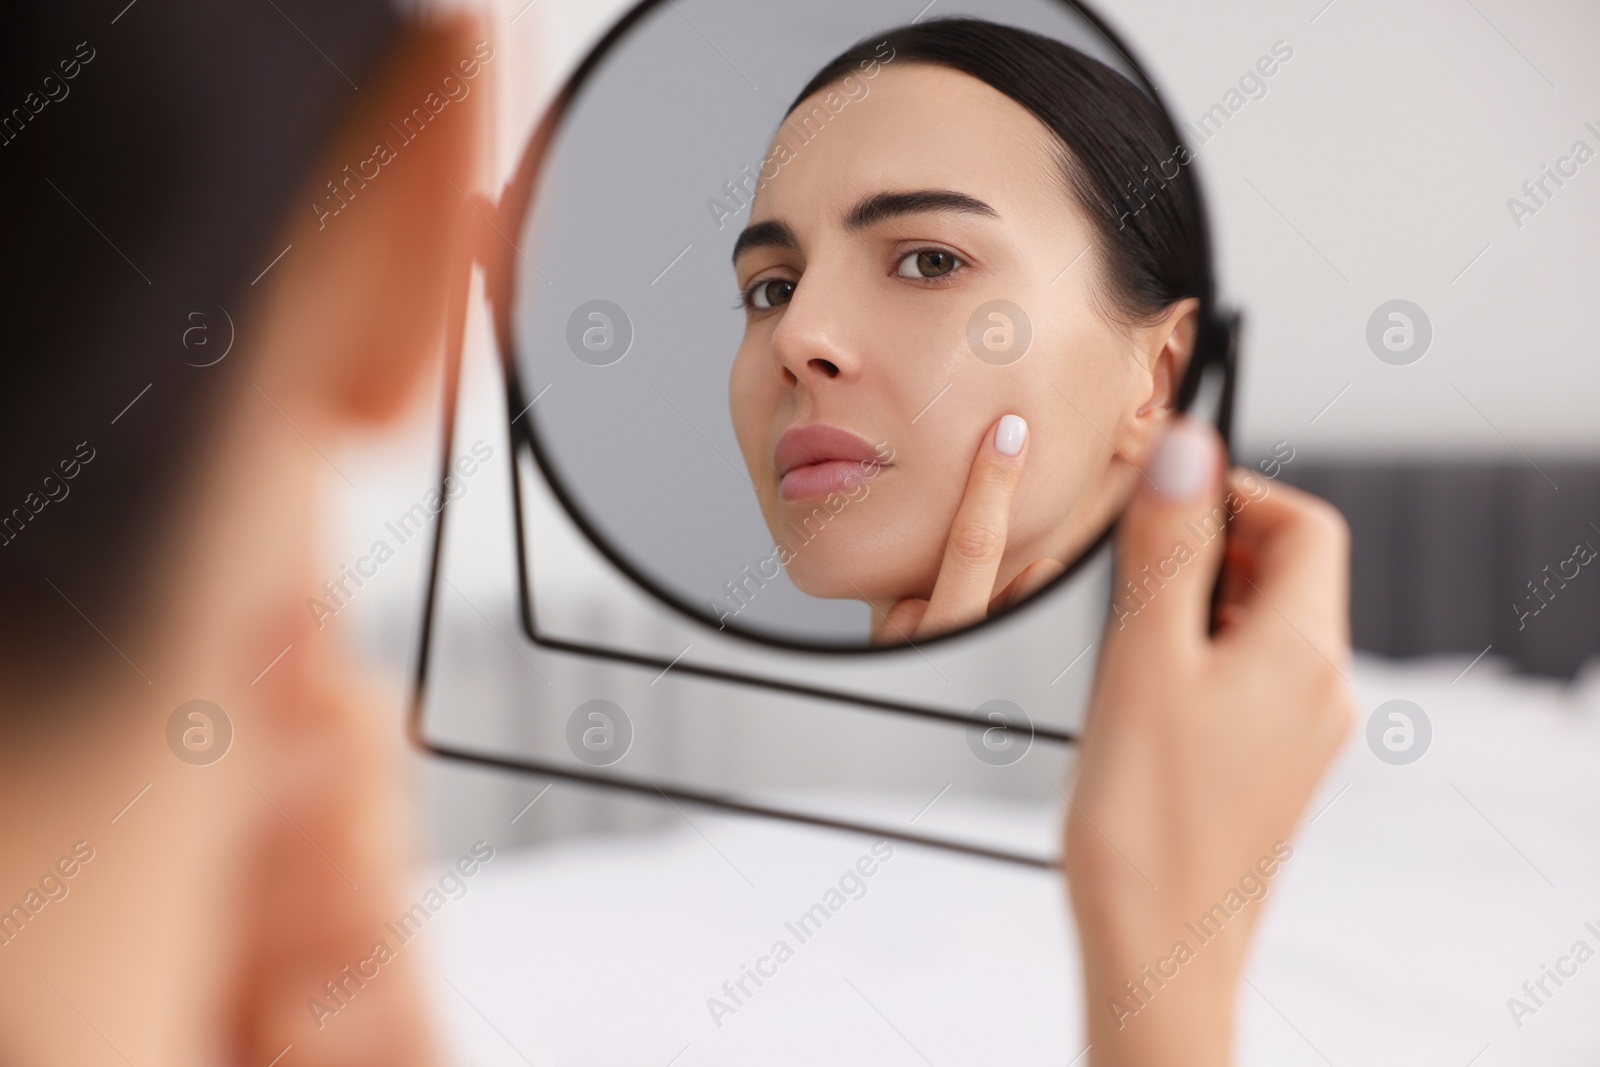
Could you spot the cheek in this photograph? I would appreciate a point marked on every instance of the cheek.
(1072, 410)
(750, 403)
(1065, 462)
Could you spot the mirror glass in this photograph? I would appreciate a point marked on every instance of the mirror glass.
(782, 271)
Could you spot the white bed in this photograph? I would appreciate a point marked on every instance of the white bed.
(1419, 900)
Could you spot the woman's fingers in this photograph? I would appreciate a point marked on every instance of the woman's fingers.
(977, 539)
(1293, 565)
(898, 626)
(1200, 751)
(1034, 577)
(1170, 540)
(901, 622)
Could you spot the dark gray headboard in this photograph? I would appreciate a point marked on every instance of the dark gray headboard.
(1443, 554)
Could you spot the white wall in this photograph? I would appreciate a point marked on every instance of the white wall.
(1391, 142)
(1377, 165)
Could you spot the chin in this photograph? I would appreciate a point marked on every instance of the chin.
(877, 546)
(834, 567)
(850, 579)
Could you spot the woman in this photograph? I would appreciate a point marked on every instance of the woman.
(189, 914)
(971, 279)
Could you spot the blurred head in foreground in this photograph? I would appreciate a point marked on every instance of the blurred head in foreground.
(233, 233)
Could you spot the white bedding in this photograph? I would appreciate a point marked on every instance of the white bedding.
(1419, 900)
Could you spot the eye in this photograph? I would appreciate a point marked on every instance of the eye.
(927, 263)
(768, 294)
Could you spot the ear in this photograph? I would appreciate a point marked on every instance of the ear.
(384, 241)
(1164, 347)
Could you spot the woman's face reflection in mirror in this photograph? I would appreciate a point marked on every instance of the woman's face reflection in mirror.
(922, 177)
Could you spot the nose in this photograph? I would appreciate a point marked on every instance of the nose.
(813, 342)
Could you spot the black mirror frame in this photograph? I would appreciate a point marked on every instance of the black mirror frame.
(1212, 364)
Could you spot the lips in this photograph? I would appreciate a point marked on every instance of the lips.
(815, 460)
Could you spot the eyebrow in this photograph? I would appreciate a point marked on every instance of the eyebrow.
(769, 234)
(885, 206)
(880, 207)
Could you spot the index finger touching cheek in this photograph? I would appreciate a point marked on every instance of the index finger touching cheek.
(977, 541)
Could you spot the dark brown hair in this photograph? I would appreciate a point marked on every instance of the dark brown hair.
(148, 155)
(1121, 159)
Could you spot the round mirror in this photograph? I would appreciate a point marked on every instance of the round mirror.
(788, 288)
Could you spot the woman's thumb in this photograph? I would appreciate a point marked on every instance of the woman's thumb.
(1170, 540)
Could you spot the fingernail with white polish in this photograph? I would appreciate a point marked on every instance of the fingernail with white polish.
(1185, 463)
(1010, 435)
